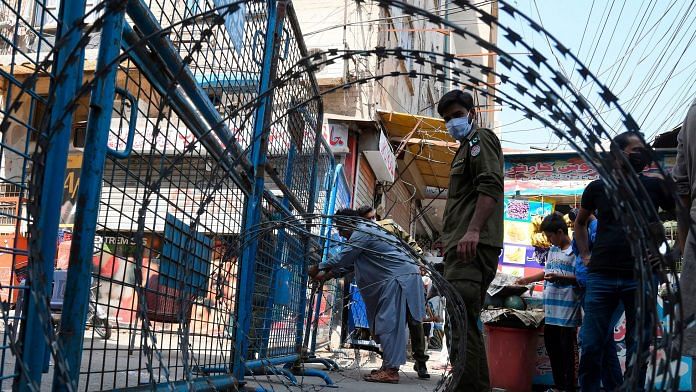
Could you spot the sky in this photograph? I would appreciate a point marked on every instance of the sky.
(644, 50)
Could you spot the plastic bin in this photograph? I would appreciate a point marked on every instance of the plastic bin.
(511, 354)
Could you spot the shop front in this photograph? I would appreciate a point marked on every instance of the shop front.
(535, 186)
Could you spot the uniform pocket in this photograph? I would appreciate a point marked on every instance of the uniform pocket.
(458, 181)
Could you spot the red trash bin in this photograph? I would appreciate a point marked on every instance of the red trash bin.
(511, 356)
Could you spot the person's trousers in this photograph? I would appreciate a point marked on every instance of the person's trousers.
(475, 376)
(471, 281)
(393, 340)
(415, 329)
(612, 375)
(603, 295)
(561, 344)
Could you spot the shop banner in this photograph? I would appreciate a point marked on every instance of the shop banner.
(570, 168)
(519, 257)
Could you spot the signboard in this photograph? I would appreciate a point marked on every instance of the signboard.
(570, 168)
(433, 192)
(555, 169)
(519, 257)
(382, 162)
(336, 134)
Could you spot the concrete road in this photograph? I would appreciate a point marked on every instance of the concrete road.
(107, 364)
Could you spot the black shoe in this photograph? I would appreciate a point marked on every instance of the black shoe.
(421, 369)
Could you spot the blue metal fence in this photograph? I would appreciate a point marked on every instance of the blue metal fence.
(183, 153)
(328, 303)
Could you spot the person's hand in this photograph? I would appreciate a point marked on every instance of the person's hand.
(313, 271)
(552, 276)
(586, 260)
(323, 276)
(521, 282)
(466, 248)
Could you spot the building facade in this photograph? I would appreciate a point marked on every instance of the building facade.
(380, 162)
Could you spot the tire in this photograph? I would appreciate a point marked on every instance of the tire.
(102, 328)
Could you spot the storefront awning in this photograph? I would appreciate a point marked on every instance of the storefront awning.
(544, 188)
(425, 139)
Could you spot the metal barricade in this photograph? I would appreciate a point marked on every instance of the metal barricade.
(182, 151)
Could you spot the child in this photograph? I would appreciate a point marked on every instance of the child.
(561, 302)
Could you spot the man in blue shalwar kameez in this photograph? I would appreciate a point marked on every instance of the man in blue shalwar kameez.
(389, 281)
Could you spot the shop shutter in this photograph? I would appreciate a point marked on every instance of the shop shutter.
(398, 203)
(365, 184)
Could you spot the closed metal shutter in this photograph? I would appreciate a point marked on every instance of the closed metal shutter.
(399, 202)
(364, 184)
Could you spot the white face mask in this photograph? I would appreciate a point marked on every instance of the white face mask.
(459, 127)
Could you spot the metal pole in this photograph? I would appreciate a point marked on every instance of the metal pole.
(276, 13)
(447, 84)
(69, 61)
(79, 271)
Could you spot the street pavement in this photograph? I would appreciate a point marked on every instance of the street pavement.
(107, 365)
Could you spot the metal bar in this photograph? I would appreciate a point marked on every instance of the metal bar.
(202, 384)
(276, 11)
(270, 362)
(276, 371)
(253, 367)
(307, 372)
(283, 186)
(328, 363)
(69, 62)
(7, 376)
(78, 282)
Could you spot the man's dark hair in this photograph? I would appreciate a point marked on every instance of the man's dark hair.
(623, 139)
(364, 210)
(346, 218)
(554, 222)
(455, 96)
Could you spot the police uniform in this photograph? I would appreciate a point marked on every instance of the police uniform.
(477, 168)
(394, 228)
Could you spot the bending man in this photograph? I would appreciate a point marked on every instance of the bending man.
(389, 281)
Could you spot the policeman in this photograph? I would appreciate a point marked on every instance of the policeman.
(473, 226)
